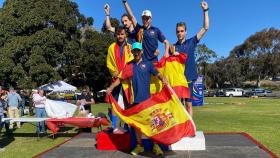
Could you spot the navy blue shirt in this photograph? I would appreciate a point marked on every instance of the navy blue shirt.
(188, 47)
(131, 36)
(151, 37)
(141, 80)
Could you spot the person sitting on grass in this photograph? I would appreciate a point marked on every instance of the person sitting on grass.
(141, 78)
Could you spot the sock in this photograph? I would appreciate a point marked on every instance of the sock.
(114, 121)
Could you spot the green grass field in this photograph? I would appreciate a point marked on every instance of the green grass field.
(258, 117)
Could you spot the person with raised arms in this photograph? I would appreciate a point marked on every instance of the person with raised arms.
(126, 22)
(188, 46)
(147, 34)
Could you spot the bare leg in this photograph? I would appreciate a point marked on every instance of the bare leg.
(189, 108)
(138, 135)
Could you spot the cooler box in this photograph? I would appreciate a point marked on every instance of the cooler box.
(146, 142)
(113, 141)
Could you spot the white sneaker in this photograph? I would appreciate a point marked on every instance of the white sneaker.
(119, 130)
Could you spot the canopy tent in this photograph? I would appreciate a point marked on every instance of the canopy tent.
(59, 86)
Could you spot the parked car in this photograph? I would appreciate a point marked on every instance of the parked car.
(262, 92)
(209, 93)
(219, 93)
(258, 92)
(234, 92)
(248, 93)
(214, 93)
(277, 78)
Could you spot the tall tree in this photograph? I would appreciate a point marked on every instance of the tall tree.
(258, 53)
(37, 39)
(204, 56)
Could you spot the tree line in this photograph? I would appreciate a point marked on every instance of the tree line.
(43, 41)
(256, 59)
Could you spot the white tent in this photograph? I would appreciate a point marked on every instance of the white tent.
(59, 86)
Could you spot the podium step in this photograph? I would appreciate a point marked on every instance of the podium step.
(190, 143)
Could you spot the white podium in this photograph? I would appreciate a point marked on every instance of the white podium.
(190, 143)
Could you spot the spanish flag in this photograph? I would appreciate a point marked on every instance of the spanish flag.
(162, 117)
(172, 68)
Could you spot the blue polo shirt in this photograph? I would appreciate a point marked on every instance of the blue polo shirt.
(141, 80)
(151, 37)
(13, 99)
(188, 47)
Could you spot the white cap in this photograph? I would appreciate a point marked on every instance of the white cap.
(147, 13)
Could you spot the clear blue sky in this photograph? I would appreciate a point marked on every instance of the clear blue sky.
(231, 21)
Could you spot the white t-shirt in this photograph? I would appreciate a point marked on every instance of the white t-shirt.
(39, 101)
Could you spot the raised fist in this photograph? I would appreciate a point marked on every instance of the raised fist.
(107, 9)
(204, 5)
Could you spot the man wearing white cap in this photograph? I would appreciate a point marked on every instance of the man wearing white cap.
(147, 35)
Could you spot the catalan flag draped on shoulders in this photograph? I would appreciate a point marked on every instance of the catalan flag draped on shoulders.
(116, 62)
(162, 117)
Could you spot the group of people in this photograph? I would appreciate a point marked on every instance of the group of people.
(12, 106)
(135, 52)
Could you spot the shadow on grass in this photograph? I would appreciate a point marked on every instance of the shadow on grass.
(63, 132)
(4, 141)
(40, 135)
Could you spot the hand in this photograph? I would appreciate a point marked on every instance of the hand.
(116, 74)
(107, 9)
(164, 81)
(176, 53)
(109, 90)
(156, 53)
(204, 5)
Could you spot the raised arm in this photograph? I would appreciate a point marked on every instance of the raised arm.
(205, 8)
(166, 52)
(107, 20)
(129, 12)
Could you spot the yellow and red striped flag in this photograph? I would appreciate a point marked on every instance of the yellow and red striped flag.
(162, 117)
(172, 68)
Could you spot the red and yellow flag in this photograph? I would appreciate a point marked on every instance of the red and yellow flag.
(172, 68)
(162, 117)
(114, 62)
